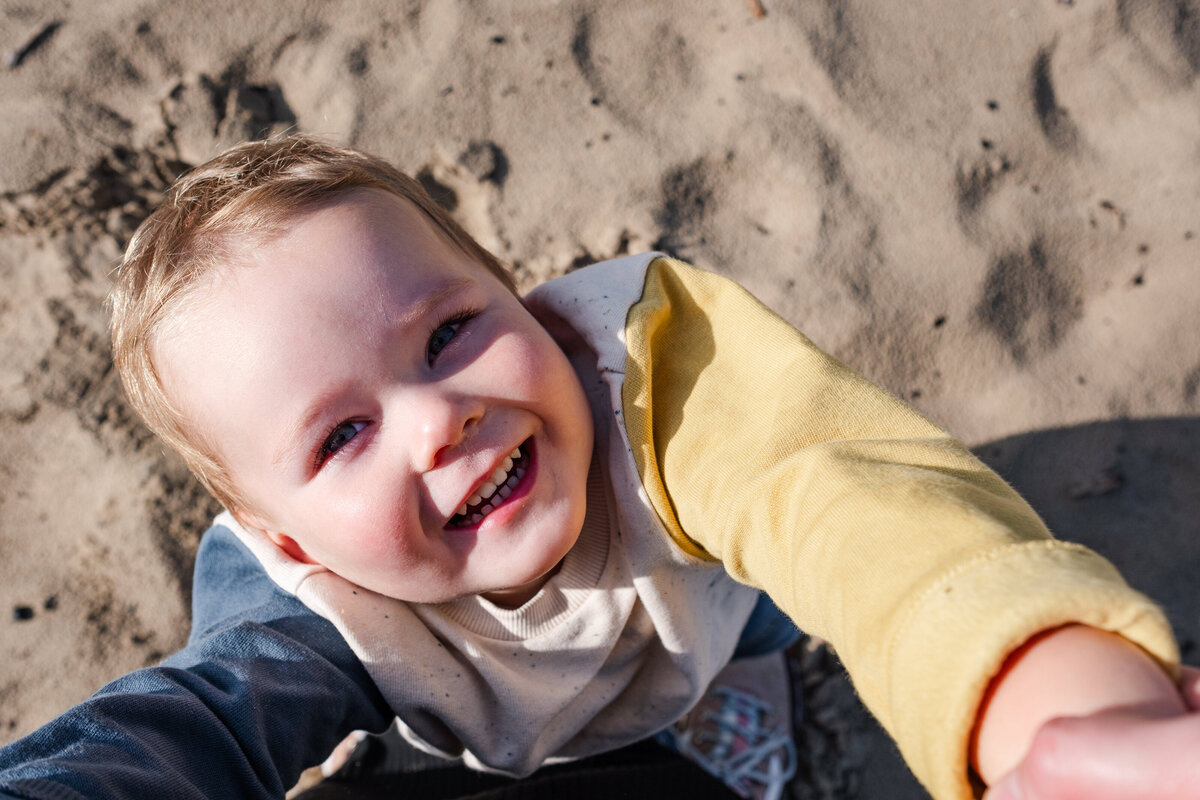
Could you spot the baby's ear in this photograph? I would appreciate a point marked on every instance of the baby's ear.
(284, 542)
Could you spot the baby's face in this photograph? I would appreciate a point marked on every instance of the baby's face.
(390, 409)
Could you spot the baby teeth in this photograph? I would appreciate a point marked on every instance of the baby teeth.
(499, 484)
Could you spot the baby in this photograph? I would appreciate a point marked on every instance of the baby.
(535, 529)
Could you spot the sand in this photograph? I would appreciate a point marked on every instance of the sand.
(991, 209)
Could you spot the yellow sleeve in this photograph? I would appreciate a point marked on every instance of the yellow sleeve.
(872, 528)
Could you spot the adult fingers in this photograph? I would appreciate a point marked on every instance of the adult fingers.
(1110, 756)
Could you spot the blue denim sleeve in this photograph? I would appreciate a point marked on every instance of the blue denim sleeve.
(263, 689)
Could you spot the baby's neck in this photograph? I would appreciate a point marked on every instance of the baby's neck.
(520, 595)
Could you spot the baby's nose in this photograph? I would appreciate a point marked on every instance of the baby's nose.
(443, 421)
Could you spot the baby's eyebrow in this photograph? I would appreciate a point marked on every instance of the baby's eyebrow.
(295, 435)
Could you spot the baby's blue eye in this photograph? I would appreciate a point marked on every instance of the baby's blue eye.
(340, 437)
(444, 333)
(442, 336)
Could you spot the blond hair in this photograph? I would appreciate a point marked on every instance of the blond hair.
(243, 196)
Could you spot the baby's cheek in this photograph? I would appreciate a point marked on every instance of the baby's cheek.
(519, 365)
(367, 533)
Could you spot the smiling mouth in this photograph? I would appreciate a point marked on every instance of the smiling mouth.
(495, 490)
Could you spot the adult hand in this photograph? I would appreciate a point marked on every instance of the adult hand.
(1112, 755)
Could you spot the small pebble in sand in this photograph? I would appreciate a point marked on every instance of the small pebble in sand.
(22, 613)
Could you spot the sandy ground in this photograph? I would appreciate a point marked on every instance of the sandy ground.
(991, 208)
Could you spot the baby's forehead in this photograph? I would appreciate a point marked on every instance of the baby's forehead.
(378, 242)
(368, 225)
(251, 229)
(378, 216)
(374, 214)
